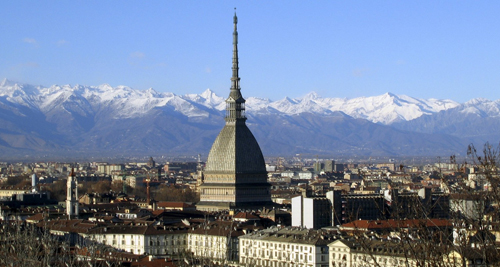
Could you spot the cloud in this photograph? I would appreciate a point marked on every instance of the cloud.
(135, 58)
(154, 66)
(137, 55)
(31, 65)
(360, 72)
(208, 70)
(62, 42)
(400, 62)
(30, 41)
(24, 66)
(139, 60)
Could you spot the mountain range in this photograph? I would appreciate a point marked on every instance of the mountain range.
(90, 121)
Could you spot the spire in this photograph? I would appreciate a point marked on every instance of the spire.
(235, 104)
(235, 79)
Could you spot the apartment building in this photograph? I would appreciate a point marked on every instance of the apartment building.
(283, 247)
(142, 238)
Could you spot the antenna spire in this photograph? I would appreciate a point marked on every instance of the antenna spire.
(235, 104)
(235, 79)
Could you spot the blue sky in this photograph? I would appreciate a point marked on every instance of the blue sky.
(347, 49)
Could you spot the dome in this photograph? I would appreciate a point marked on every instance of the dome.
(235, 150)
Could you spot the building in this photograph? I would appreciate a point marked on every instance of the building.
(347, 207)
(151, 163)
(387, 166)
(305, 175)
(7, 191)
(311, 212)
(348, 253)
(352, 253)
(235, 175)
(181, 206)
(440, 228)
(72, 204)
(142, 238)
(329, 165)
(282, 247)
(318, 166)
(216, 241)
(418, 203)
(108, 169)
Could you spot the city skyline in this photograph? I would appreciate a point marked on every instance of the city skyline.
(425, 50)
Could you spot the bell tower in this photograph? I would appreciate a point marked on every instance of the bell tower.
(72, 195)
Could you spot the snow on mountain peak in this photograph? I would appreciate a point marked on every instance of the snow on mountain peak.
(310, 96)
(208, 94)
(481, 107)
(477, 101)
(124, 101)
(208, 98)
(105, 87)
(5, 82)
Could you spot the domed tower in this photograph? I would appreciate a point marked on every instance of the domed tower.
(235, 175)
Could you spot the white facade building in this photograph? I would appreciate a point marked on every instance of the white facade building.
(142, 238)
(308, 212)
(305, 175)
(283, 247)
(345, 253)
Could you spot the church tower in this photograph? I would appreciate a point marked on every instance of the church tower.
(72, 196)
(235, 175)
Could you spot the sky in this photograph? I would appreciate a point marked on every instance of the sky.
(345, 49)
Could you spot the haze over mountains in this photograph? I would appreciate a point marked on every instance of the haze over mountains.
(87, 121)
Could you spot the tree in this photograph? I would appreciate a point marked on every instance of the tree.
(18, 180)
(173, 193)
(474, 216)
(57, 190)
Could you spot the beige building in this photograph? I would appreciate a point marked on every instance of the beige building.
(108, 169)
(344, 253)
(9, 190)
(216, 241)
(142, 238)
(283, 247)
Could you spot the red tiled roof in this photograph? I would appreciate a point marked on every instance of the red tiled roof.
(393, 224)
(36, 218)
(246, 215)
(73, 226)
(165, 204)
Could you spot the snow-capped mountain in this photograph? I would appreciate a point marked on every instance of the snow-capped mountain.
(478, 120)
(386, 109)
(127, 102)
(95, 118)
